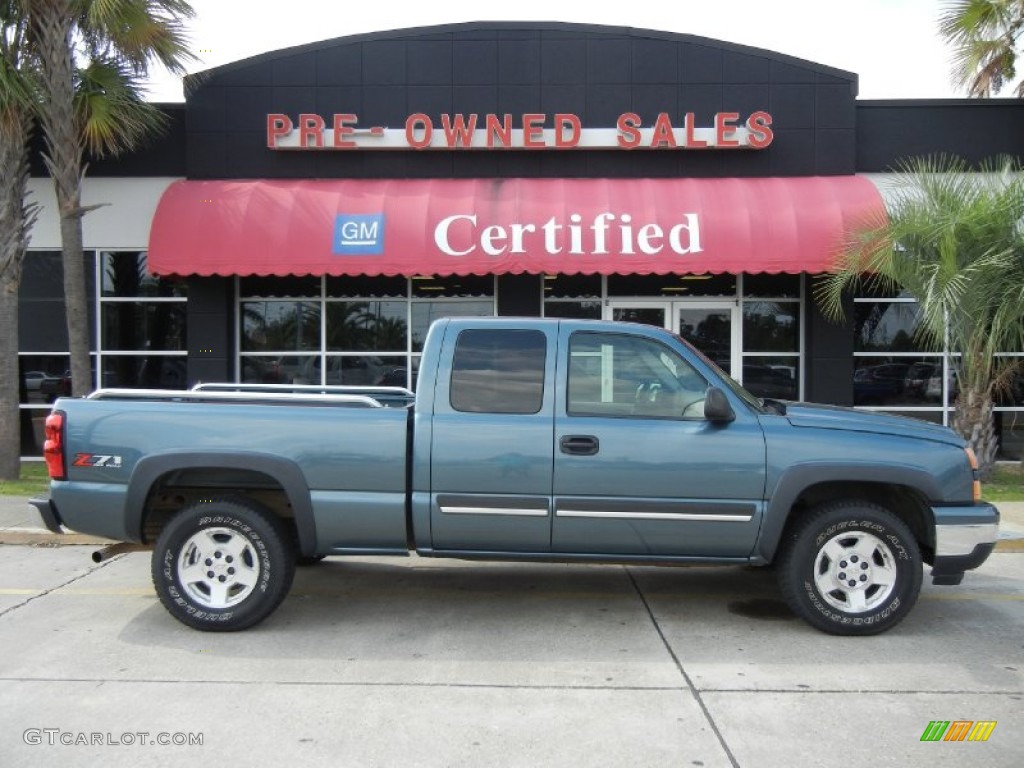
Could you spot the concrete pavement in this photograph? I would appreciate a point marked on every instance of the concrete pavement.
(414, 662)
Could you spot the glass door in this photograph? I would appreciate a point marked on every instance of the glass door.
(713, 327)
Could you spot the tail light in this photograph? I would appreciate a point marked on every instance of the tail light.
(53, 448)
(976, 485)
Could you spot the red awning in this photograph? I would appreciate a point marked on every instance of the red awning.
(498, 226)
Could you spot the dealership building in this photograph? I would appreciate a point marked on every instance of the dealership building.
(310, 211)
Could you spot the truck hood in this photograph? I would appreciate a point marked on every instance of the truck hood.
(834, 417)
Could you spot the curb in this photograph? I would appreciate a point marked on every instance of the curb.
(37, 537)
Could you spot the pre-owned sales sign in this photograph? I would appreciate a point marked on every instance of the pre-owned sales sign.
(729, 130)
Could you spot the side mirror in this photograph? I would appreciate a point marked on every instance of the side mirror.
(716, 406)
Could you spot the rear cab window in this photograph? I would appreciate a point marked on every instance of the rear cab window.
(498, 371)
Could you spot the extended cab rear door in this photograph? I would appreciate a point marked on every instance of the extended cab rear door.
(638, 469)
(491, 445)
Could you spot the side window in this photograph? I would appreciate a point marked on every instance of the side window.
(614, 375)
(498, 371)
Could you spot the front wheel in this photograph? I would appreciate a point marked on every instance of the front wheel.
(223, 565)
(850, 568)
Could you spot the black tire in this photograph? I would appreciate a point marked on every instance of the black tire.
(850, 568)
(224, 565)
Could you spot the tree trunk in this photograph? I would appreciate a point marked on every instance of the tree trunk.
(974, 421)
(52, 22)
(16, 219)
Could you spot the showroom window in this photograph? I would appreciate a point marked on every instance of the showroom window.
(136, 331)
(347, 331)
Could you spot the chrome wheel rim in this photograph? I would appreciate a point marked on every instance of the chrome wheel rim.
(855, 572)
(218, 567)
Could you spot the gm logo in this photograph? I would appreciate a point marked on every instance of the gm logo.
(359, 234)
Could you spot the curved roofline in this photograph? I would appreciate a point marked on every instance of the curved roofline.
(506, 26)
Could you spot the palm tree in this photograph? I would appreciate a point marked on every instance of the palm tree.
(17, 215)
(92, 54)
(984, 36)
(953, 240)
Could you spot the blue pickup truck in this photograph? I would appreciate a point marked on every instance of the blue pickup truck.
(528, 439)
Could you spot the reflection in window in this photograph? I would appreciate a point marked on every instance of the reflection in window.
(777, 378)
(426, 312)
(498, 371)
(894, 381)
(886, 326)
(366, 325)
(771, 326)
(619, 375)
(130, 325)
(280, 325)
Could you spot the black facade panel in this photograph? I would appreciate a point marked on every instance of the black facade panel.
(519, 61)
(746, 98)
(431, 100)
(518, 100)
(649, 101)
(246, 107)
(792, 152)
(384, 62)
(835, 152)
(479, 99)
(570, 99)
(210, 329)
(784, 72)
(159, 154)
(475, 62)
(294, 100)
(834, 107)
(339, 65)
(430, 62)
(299, 69)
(889, 132)
(608, 60)
(338, 99)
(206, 155)
(519, 295)
(792, 105)
(700, 64)
(605, 103)
(829, 353)
(744, 68)
(703, 100)
(654, 61)
(597, 73)
(385, 105)
(564, 61)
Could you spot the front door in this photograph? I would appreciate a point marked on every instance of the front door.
(713, 327)
(639, 471)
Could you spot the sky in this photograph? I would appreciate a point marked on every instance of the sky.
(892, 44)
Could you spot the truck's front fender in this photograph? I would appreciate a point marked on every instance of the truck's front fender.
(284, 472)
(797, 479)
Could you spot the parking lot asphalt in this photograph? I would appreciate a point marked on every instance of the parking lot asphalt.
(417, 662)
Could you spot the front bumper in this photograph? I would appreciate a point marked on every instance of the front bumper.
(964, 538)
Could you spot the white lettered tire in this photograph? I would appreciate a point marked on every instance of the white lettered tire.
(223, 565)
(850, 568)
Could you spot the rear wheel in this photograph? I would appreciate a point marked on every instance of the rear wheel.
(850, 568)
(223, 565)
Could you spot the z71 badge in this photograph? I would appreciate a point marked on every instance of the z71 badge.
(96, 460)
